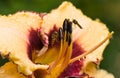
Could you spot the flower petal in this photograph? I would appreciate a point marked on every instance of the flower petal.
(103, 74)
(9, 70)
(18, 36)
(93, 31)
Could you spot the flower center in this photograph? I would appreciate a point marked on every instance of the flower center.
(65, 40)
(65, 52)
(64, 37)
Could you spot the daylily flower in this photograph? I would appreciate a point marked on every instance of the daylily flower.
(61, 44)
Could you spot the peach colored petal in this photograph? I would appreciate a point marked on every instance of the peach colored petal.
(103, 74)
(15, 39)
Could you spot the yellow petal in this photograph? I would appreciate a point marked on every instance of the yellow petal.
(48, 57)
(9, 70)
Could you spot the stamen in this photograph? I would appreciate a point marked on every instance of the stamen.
(68, 46)
(62, 62)
(92, 49)
(52, 66)
(61, 45)
(65, 53)
(68, 53)
(76, 22)
(65, 46)
(60, 52)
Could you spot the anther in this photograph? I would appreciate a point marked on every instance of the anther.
(76, 22)
(65, 23)
(69, 40)
(60, 33)
(69, 27)
(67, 36)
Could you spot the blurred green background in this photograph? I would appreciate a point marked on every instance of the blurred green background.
(108, 11)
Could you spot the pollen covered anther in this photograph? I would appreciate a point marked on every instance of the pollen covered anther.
(65, 23)
(69, 33)
(60, 33)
